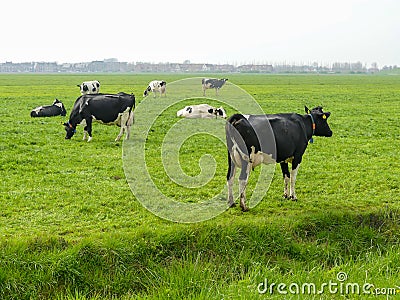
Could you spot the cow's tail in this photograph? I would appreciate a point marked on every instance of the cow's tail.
(235, 138)
(237, 128)
(131, 118)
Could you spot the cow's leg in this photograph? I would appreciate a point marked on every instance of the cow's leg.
(121, 132)
(293, 175)
(243, 178)
(129, 124)
(286, 178)
(88, 127)
(204, 91)
(230, 177)
(124, 119)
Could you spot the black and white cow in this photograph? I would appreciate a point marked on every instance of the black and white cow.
(155, 86)
(278, 138)
(56, 109)
(204, 111)
(212, 83)
(107, 109)
(89, 87)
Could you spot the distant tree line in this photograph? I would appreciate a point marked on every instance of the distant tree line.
(114, 66)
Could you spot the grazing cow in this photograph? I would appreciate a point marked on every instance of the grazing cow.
(103, 108)
(89, 87)
(56, 109)
(251, 140)
(156, 86)
(204, 111)
(212, 83)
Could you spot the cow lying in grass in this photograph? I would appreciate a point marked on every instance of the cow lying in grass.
(56, 109)
(204, 111)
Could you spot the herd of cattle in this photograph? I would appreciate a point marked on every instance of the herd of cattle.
(251, 139)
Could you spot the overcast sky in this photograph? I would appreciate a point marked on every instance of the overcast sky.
(202, 31)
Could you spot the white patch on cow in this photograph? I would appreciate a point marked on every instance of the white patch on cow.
(59, 104)
(260, 158)
(38, 109)
(246, 116)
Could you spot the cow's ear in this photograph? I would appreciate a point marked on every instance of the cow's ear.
(308, 111)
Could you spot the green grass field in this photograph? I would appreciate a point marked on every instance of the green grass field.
(70, 227)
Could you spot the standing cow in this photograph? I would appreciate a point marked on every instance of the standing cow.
(89, 87)
(278, 138)
(155, 86)
(212, 83)
(56, 109)
(106, 109)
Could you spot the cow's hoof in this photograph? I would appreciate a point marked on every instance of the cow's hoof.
(293, 198)
(232, 205)
(285, 196)
(244, 208)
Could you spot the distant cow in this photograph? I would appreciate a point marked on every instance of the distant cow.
(155, 86)
(204, 111)
(56, 109)
(250, 140)
(89, 87)
(212, 83)
(106, 109)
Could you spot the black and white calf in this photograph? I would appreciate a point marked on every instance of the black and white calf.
(278, 138)
(56, 109)
(204, 111)
(107, 109)
(155, 86)
(89, 87)
(212, 83)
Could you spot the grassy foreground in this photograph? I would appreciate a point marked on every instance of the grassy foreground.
(70, 228)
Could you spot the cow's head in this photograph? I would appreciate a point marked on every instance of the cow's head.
(61, 106)
(220, 112)
(320, 119)
(83, 87)
(70, 130)
(146, 91)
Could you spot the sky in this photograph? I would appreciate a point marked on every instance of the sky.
(206, 31)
